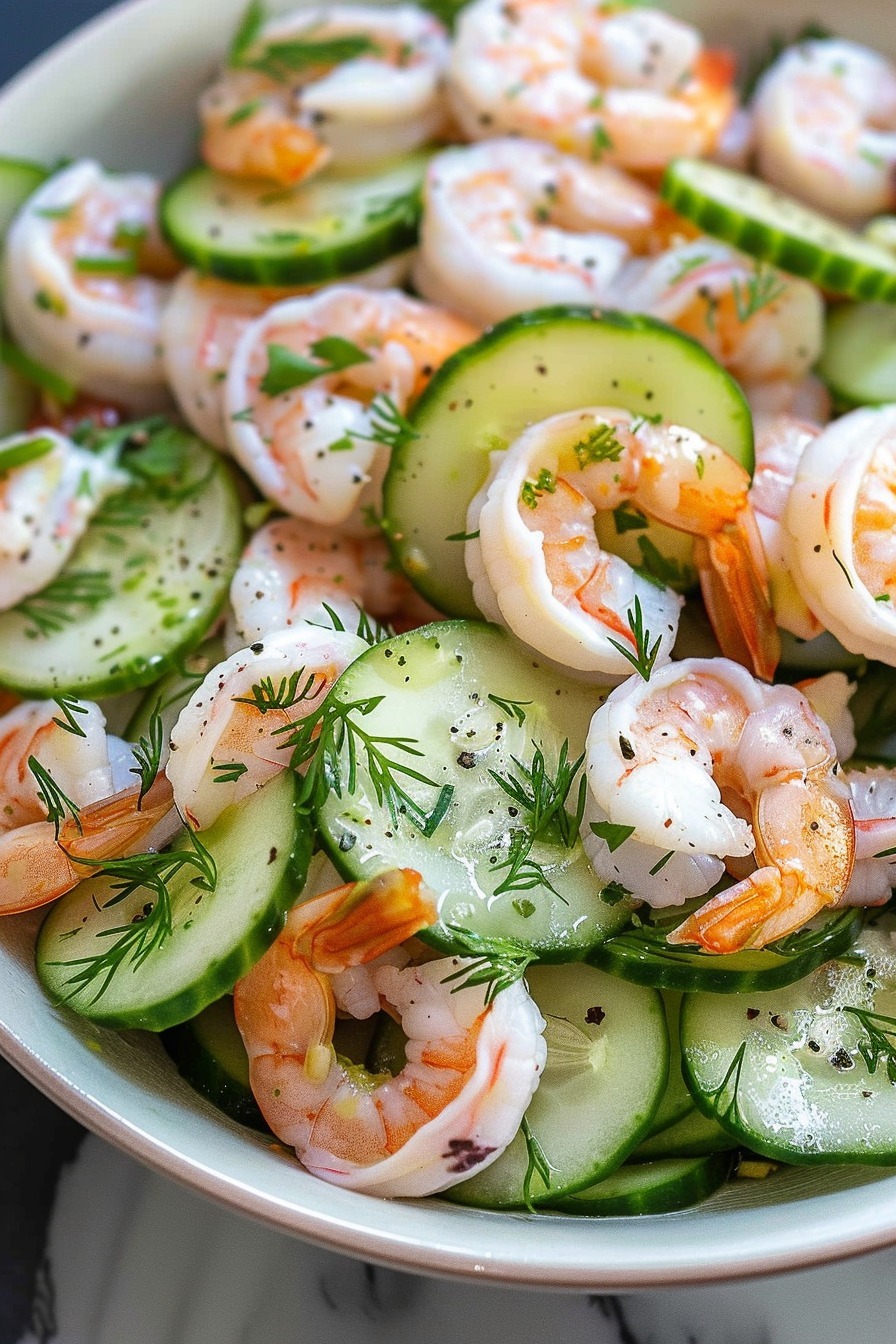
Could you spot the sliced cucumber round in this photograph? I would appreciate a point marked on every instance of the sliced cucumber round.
(661, 1186)
(16, 401)
(804, 1074)
(777, 229)
(858, 361)
(108, 954)
(442, 752)
(341, 222)
(525, 369)
(692, 1136)
(675, 1102)
(606, 1068)
(209, 1052)
(815, 656)
(641, 954)
(873, 708)
(167, 697)
(144, 584)
(18, 179)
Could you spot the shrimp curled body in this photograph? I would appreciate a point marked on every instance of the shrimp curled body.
(472, 1064)
(686, 758)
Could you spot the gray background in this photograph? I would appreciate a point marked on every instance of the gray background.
(30, 26)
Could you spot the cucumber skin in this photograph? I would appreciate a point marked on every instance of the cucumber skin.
(695, 1135)
(461, 602)
(339, 262)
(220, 977)
(198, 1066)
(713, 978)
(705, 1177)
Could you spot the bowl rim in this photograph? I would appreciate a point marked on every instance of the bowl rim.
(866, 1223)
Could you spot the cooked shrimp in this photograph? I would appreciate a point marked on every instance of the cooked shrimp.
(825, 127)
(829, 695)
(632, 85)
(874, 805)
(807, 399)
(513, 224)
(202, 323)
(780, 443)
(684, 758)
(349, 83)
(292, 571)
(472, 1063)
(38, 856)
(839, 519)
(301, 394)
(537, 567)
(84, 272)
(230, 738)
(45, 506)
(757, 322)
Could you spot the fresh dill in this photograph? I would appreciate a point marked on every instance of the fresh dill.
(689, 264)
(514, 709)
(496, 963)
(148, 754)
(60, 389)
(23, 453)
(228, 772)
(656, 567)
(265, 696)
(248, 31)
(463, 536)
(763, 288)
(541, 797)
(282, 60)
(69, 706)
(724, 1097)
(151, 927)
(388, 425)
(537, 1164)
(57, 803)
(626, 518)
(544, 484)
(880, 1040)
(599, 445)
(366, 627)
(601, 143)
(661, 863)
(612, 835)
(287, 370)
(56, 606)
(645, 654)
(613, 893)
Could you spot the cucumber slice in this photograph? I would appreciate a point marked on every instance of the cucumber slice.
(873, 707)
(803, 1074)
(652, 1187)
(260, 850)
(641, 954)
(209, 1052)
(692, 1136)
(341, 222)
(812, 657)
(675, 1102)
(525, 369)
(777, 229)
(386, 1053)
(858, 361)
(606, 1068)
(448, 691)
(16, 401)
(168, 696)
(145, 582)
(18, 179)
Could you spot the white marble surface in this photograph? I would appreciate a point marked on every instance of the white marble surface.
(135, 1259)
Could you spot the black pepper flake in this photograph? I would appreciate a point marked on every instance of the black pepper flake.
(466, 760)
(752, 1014)
(626, 748)
(814, 1047)
(347, 842)
(272, 857)
(256, 648)
(842, 1060)
(594, 1016)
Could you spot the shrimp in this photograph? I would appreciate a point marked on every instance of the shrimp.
(874, 805)
(825, 128)
(473, 1062)
(537, 567)
(315, 380)
(780, 443)
(202, 323)
(513, 224)
(633, 86)
(347, 84)
(292, 571)
(232, 735)
(44, 760)
(84, 282)
(685, 758)
(760, 324)
(839, 521)
(45, 506)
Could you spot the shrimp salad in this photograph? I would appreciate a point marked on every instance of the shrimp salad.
(448, 600)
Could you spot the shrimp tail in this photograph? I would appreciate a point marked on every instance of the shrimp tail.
(357, 923)
(265, 146)
(735, 589)
(765, 906)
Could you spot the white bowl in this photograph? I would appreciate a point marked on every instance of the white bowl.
(123, 89)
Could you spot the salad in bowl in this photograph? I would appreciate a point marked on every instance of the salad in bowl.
(447, 633)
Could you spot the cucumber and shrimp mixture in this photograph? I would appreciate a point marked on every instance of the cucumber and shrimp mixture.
(448, 600)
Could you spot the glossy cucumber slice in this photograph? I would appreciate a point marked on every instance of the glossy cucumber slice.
(209, 1052)
(331, 227)
(18, 179)
(525, 369)
(144, 584)
(777, 229)
(691, 1136)
(460, 703)
(606, 1068)
(804, 1074)
(90, 945)
(675, 1102)
(168, 696)
(641, 954)
(858, 361)
(661, 1186)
